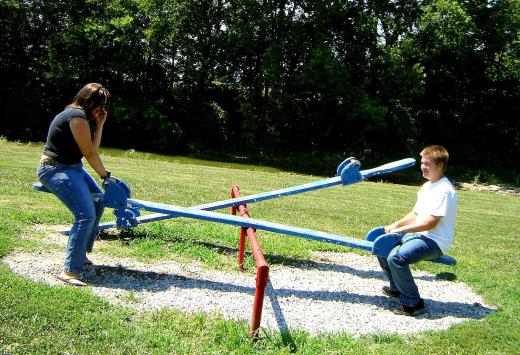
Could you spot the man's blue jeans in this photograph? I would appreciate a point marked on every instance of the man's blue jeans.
(413, 248)
(74, 187)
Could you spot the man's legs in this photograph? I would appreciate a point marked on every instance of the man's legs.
(386, 268)
(414, 248)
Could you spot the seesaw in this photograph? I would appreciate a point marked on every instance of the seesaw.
(342, 178)
(117, 196)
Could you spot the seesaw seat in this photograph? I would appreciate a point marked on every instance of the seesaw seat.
(39, 187)
(379, 232)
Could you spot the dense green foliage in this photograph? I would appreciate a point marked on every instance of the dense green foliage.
(38, 318)
(374, 79)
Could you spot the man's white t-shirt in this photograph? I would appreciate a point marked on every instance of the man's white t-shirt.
(438, 199)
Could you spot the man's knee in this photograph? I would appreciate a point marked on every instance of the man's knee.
(398, 260)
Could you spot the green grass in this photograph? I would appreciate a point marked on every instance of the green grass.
(37, 318)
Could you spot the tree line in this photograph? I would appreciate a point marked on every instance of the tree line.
(372, 78)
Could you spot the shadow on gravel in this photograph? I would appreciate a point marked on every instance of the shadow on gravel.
(306, 264)
(285, 333)
(138, 281)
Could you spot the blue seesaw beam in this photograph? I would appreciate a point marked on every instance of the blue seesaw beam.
(320, 184)
(376, 241)
(379, 246)
(175, 211)
(117, 195)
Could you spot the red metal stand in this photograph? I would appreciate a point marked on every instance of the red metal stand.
(262, 267)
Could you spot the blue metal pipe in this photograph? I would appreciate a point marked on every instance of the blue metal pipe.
(175, 211)
(320, 184)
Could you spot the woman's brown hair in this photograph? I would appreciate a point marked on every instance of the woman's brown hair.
(90, 96)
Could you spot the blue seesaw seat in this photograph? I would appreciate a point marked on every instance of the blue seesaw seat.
(39, 187)
(378, 232)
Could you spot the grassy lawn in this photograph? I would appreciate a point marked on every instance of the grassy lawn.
(39, 318)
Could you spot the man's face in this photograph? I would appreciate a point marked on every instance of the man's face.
(430, 170)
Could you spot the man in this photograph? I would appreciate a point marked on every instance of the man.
(428, 231)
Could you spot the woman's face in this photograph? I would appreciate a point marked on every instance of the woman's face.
(98, 112)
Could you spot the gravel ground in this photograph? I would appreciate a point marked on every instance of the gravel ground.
(505, 189)
(339, 293)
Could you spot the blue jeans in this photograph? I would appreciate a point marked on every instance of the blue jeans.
(412, 249)
(73, 186)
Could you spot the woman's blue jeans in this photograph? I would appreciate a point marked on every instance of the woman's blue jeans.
(413, 248)
(74, 187)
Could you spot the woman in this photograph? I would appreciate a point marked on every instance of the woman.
(73, 134)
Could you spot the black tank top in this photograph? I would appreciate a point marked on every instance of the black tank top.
(61, 145)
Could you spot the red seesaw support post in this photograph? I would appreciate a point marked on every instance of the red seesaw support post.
(262, 267)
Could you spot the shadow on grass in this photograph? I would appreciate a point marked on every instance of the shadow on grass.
(272, 259)
(126, 237)
(448, 276)
(285, 333)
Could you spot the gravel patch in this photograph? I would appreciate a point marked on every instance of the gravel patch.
(505, 189)
(339, 293)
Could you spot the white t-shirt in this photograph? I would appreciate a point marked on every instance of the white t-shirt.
(438, 199)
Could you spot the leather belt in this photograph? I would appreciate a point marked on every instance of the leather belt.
(48, 161)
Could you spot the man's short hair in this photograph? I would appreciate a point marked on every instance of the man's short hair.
(437, 153)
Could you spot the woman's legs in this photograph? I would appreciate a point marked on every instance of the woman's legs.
(67, 182)
(94, 188)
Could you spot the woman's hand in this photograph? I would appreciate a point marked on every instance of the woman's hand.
(81, 132)
(100, 115)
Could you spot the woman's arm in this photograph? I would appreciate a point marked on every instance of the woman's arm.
(81, 132)
(100, 115)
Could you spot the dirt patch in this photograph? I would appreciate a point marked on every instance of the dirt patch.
(499, 188)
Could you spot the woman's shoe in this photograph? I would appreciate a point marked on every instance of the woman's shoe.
(71, 279)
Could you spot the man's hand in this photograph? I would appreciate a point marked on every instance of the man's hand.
(395, 231)
(401, 224)
(389, 228)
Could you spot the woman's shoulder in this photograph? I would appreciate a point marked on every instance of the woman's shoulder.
(71, 112)
(75, 112)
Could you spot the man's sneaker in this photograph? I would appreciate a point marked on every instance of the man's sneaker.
(390, 292)
(410, 311)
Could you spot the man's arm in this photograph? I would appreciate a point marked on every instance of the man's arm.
(406, 220)
(417, 225)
